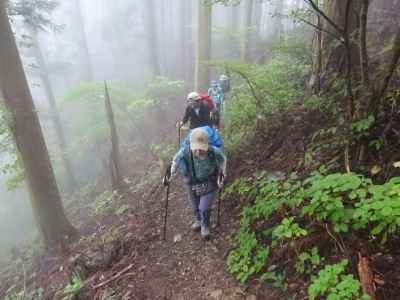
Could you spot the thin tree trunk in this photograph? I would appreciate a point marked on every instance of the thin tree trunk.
(55, 116)
(277, 23)
(152, 37)
(88, 72)
(245, 47)
(363, 44)
(189, 46)
(183, 38)
(115, 158)
(203, 47)
(234, 22)
(45, 197)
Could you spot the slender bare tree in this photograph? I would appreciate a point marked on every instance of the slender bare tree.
(203, 46)
(55, 115)
(25, 127)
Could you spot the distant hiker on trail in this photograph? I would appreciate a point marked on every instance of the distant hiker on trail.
(197, 112)
(225, 83)
(217, 95)
(203, 168)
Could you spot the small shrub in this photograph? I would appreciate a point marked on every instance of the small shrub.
(333, 284)
(73, 288)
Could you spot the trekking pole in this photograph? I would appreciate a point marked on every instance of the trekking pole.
(179, 136)
(220, 188)
(166, 213)
(219, 207)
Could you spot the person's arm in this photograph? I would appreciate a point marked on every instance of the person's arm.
(178, 162)
(186, 116)
(221, 160)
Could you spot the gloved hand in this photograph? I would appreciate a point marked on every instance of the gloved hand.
(179, 124)
(221, 180)
(166, 180)
(167, 176)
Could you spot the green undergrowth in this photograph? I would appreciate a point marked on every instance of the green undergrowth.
(261, 90)
(313, 220)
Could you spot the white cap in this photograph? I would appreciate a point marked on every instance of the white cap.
(193, 96)
(199, 140)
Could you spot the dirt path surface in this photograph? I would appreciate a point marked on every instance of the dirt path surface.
(184, 266)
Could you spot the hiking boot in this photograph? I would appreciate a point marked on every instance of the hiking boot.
(205, 232)
(196, 225)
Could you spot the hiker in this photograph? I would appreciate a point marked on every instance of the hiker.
(203, 168)
(197, 112)
(225, 83)
(217, 95)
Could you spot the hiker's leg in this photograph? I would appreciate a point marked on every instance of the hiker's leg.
(194, 202)
(205, 207)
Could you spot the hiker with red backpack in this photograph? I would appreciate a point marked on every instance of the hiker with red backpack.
(197, 113)
(203, 167)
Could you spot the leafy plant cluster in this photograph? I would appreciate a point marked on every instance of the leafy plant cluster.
(333, 284)
(282, 213)
(73, 287)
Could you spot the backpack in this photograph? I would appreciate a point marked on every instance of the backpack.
(207, 99)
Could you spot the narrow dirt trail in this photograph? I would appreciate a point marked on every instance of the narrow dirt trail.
(190, 268)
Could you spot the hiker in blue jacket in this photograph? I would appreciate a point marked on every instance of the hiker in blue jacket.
(203, 168)
(217, 95)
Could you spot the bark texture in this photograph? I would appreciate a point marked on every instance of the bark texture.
(25, 127)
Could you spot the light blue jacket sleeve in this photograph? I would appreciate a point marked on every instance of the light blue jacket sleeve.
(179, 163)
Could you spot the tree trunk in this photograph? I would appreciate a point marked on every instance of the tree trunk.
(152, 37)
(315, 81)
(55, 116)
(234, 22)
(45, 198)
(184, 43)
(277, 32)
(115, 158)
(203, 47)
(87, 72)
(190, 48)
(245, 45)
(333, 52)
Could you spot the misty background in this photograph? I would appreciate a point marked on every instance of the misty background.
(90, 42)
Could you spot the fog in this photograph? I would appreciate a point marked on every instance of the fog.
(147, 65)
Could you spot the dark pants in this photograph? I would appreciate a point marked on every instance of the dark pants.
(201, 205)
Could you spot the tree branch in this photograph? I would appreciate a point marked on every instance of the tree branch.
(321, 29)
(329, 20)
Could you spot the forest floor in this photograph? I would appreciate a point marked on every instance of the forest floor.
(121, 254)
(136, 263)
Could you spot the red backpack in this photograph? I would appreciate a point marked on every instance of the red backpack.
(208, 101)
